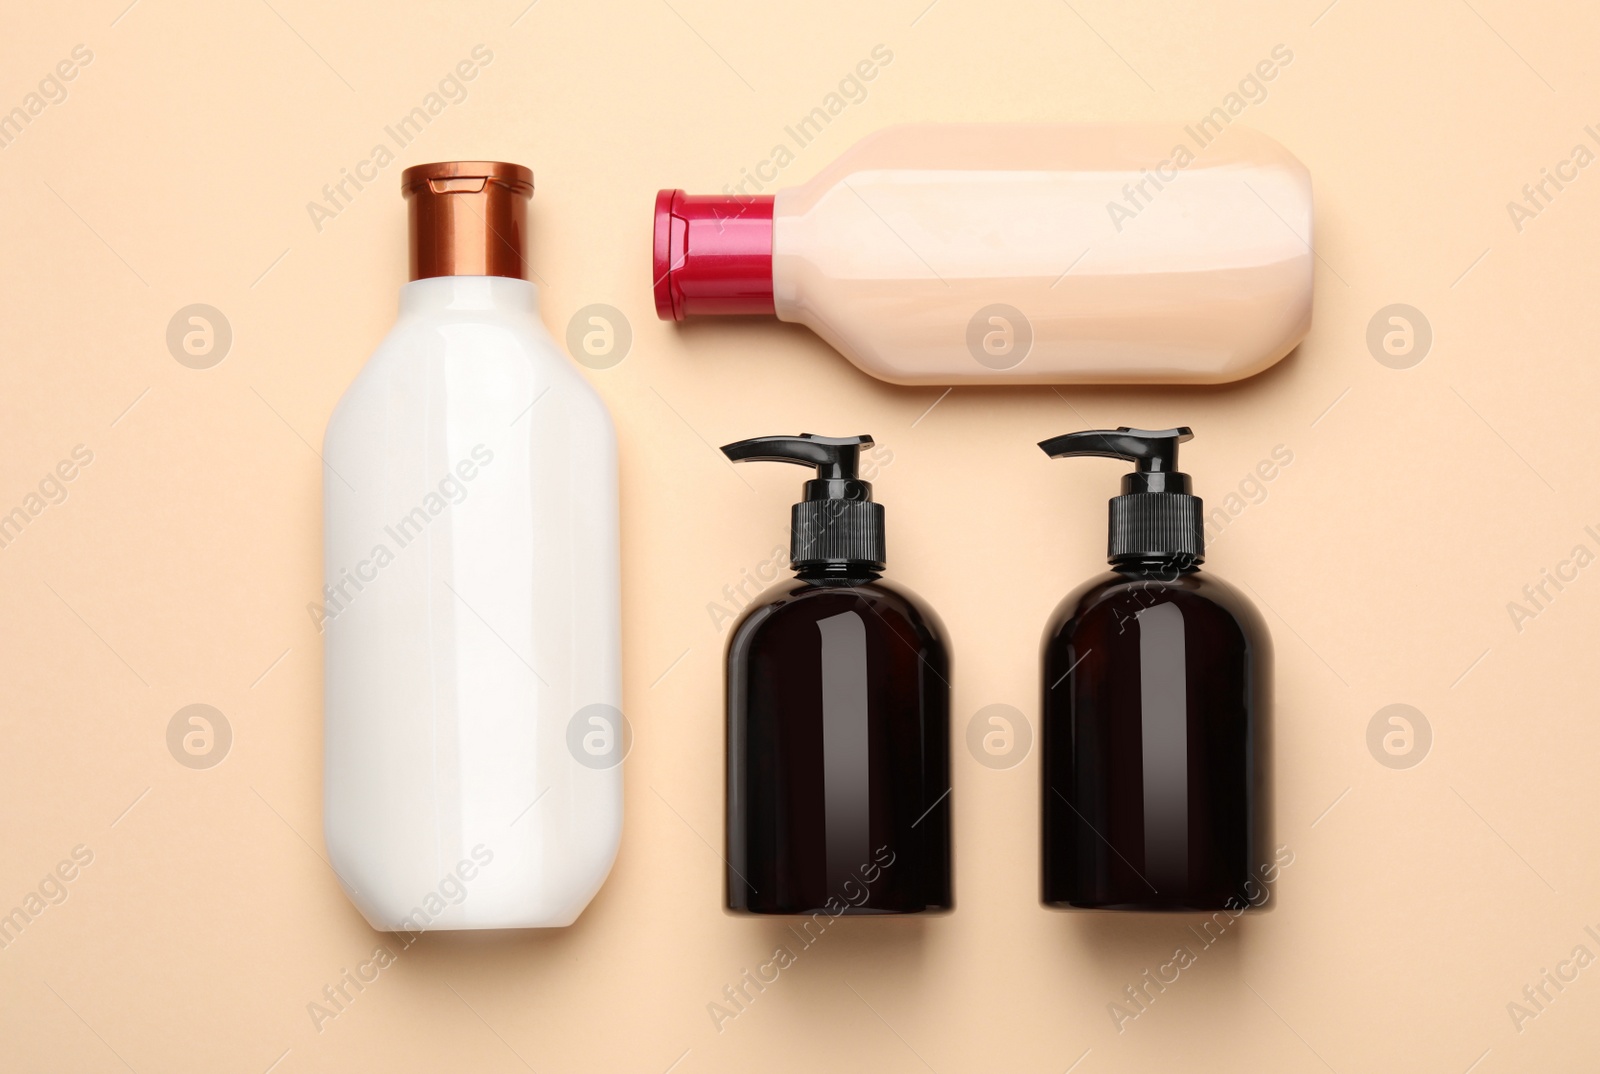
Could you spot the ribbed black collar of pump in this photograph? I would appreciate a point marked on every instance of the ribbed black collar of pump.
(1156, 525)
(829, 531)
(836, 523)
(1156, 517)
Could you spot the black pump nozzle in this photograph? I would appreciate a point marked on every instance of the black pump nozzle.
(836, 522)
(1153, 453)
(1156, 517)
(837, 459)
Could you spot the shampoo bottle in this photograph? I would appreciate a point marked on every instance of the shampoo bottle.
(1017, 253)
(472, 727)
(1156, 709)
(838, 715)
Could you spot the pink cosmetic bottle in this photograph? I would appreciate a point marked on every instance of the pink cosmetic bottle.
(1017, 254)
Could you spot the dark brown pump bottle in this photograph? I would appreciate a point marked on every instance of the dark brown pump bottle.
(838, 715)
(1156, 710)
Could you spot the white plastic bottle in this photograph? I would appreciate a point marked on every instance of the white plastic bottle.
(473, 731)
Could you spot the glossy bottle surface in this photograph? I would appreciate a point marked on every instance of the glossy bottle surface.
(838, 751)
(471, 620)
(1155, 744)
(1051, 253)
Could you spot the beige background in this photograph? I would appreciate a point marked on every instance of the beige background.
(1420, 902)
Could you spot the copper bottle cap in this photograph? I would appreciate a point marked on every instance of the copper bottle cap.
(468, 218)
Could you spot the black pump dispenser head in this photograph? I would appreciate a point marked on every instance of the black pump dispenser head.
(1156, 517)
(837, 522)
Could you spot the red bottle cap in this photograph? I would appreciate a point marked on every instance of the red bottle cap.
(713, 254)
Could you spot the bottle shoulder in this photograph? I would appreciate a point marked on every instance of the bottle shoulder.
(1115, 595)
(488, 336)
(504, 359)
(794, 601)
